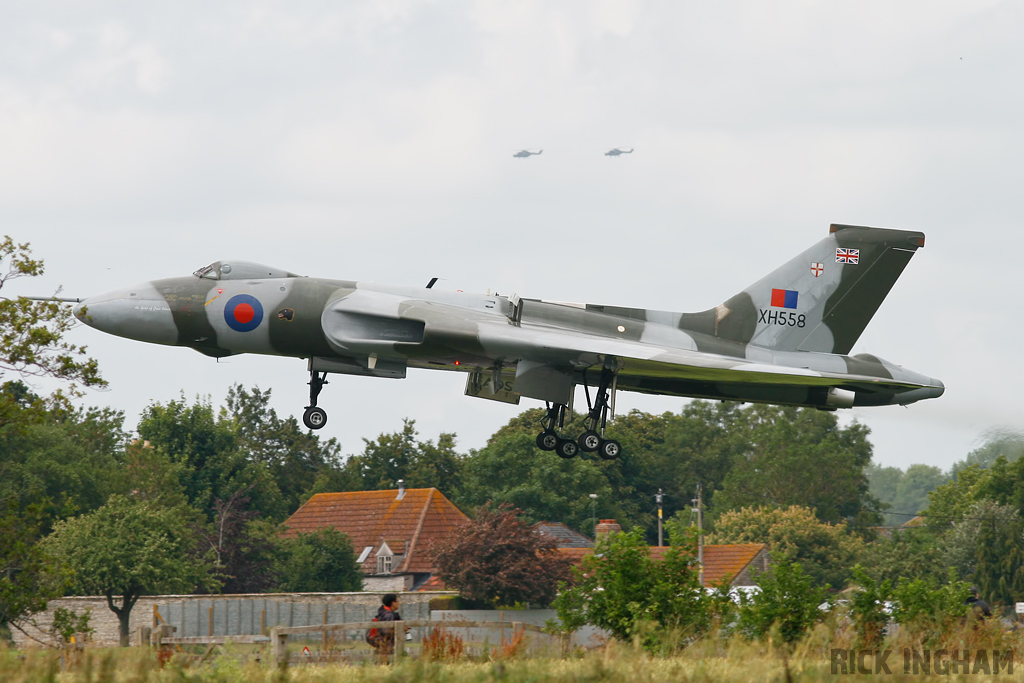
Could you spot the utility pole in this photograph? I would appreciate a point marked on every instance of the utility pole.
(657, 497)
(700, 534)
(593, 514)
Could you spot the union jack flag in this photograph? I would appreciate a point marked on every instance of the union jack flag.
(851, 256)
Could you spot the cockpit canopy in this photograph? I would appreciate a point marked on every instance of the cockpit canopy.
(241, 270)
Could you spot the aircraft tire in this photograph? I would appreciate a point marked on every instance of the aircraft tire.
(314, 418)
(589, 441)
(610, 449)
(567, 448)
(547, 440)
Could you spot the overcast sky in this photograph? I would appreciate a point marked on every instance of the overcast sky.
(374, 141)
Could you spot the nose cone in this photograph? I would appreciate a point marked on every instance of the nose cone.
(138, 312)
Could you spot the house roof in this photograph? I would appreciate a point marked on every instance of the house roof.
(412, 523)
(563, 535)
(434, 583)
(720, 561)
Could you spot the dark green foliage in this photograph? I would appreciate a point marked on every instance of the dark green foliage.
(400, 455)
(499, 560)
(788, 601)
(67, 622)
(870, 605)
(930, 609)
(800, 456)
(511, 469)
(999, 555)
(294, 457)
(318, 562)
(621, 589)
(913, 553)
(28, 575)
(130, 548)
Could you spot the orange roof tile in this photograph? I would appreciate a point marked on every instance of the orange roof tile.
(434, 583)
(421, 518)
(720, 561)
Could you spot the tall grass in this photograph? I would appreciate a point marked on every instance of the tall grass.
(713, 658)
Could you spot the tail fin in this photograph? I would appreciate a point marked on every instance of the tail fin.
(821, 300)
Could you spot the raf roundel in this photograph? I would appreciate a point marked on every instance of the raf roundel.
(243, 313)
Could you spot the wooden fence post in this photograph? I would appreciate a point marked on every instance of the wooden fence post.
(280, 644)
(399, 639)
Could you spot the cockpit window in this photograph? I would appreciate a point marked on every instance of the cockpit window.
(209, 272)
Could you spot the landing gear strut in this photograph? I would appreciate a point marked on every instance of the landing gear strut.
(549, 440)
(314, 417)
(593, 438)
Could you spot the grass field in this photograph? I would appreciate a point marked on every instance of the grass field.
(711, 659)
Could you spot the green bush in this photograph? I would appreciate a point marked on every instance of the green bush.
(787, 600)
(621, 589)
(868, 608)
(928, 610)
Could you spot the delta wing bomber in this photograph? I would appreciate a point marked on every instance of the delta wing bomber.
(784, 339)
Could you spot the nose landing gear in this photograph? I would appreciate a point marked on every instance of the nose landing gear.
(314, 417)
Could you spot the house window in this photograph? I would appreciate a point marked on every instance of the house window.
(384, 564)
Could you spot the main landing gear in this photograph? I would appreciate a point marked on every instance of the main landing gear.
(590, 441)
(313, 417)
(549, 440)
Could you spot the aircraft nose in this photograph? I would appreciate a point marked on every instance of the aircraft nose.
(139, 312)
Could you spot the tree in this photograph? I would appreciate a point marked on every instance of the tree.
(295, 457)
(620, 588)
(904, 494)
(999, 552)
(949, 502)
(244, 550)
(31, 332)
(400, 455)
(794, 534)
(800, 456)
(211, 464)
(511, 469)
(127, 549)
(320, 562)
(61, 459)
(787, 601)
(910, 553)
(1009, 444)
(499, 560)
(28, 577)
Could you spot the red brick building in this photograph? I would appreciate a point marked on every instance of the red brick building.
(392, 532)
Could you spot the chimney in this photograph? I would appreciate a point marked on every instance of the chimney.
(606, 527)
(401, 489)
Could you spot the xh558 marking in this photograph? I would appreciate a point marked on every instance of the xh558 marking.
(783, 339)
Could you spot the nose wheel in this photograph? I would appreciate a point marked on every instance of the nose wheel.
(314, 417)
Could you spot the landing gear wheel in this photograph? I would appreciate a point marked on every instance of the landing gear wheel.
(567, 448)
(547, 440)
(610, 449)
(314, 417)
(589, 441)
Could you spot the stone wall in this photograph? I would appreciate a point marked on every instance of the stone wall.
(224, 614)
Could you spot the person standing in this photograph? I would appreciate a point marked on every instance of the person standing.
(383, 639)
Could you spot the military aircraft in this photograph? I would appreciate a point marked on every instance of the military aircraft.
(618, 151)
(782, 340)
(523, 153)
